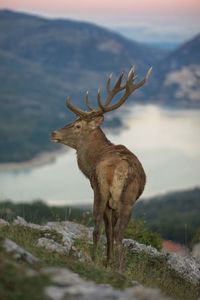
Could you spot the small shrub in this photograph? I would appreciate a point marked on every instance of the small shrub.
(196, 238)
(137, 230)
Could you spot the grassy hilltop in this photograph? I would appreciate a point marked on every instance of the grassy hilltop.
(29, 279)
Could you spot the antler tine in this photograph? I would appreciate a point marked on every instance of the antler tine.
(75, 109)
(108, 83)
(117, 88)
(130, 87)
(101, 106)
(87, 101)
(117, 85)
(131, 74)
(134, 86)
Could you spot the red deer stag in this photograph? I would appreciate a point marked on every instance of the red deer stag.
(116, 175)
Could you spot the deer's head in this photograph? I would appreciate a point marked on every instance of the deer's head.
(88, 121)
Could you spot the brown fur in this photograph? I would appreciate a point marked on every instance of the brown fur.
(116, 176)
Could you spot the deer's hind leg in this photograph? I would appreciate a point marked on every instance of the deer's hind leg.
(101, 197)
(129, 196)
(109, 233)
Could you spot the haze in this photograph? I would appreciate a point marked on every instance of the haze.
(145, 20)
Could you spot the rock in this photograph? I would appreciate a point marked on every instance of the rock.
(69, 231)
(3, 223)
(20, 221)
(75, 288)
(196, 251)
(19, 253)
(136, 247)
(187, 267)
(55, 292)
(61, 276)
(145, 293)
(68, 285)
(51, 245)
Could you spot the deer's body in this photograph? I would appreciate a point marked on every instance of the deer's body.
(116, 175)
(117, 178)
(114, 165)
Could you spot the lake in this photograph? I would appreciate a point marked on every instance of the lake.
(166, 141)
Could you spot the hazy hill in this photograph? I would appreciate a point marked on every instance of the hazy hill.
(63, 44)
(42, 61)
(177, 76)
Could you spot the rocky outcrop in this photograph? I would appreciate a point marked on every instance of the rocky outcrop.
(186, 267)
(64, 284)
(68, 230)
(68, 285)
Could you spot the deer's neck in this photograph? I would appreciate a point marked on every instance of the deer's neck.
(90, 150)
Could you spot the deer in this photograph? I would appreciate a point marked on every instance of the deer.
(115, 173)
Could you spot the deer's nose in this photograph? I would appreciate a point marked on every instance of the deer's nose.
(55, 136)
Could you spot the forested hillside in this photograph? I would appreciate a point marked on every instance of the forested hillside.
(174, 215)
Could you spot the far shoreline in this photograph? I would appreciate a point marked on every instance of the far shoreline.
(39, 160)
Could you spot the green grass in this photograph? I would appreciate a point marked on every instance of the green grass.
(14, 282)
(147, 270)
(155, 272)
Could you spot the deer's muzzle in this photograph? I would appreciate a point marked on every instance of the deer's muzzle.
(56, 136)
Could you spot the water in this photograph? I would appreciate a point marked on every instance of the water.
(166, 142)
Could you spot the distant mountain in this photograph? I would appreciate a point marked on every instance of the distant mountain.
(66, 44)
(177, 76)
(42, 61)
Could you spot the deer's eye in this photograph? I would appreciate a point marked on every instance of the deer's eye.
(78, 126)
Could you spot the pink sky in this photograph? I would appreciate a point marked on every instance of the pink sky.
(175, 16)
(92, 7)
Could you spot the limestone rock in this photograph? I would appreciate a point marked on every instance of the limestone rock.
(137, 247)
(68, 285)
(196, 251)
(3, 223)
(51, 245)
(69, 231)
(187, 267)
(19, 253)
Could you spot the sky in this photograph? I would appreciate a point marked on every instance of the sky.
(143, 20)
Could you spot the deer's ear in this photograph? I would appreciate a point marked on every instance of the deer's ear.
(96, 122)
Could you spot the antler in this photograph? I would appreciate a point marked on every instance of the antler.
(129, 87)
